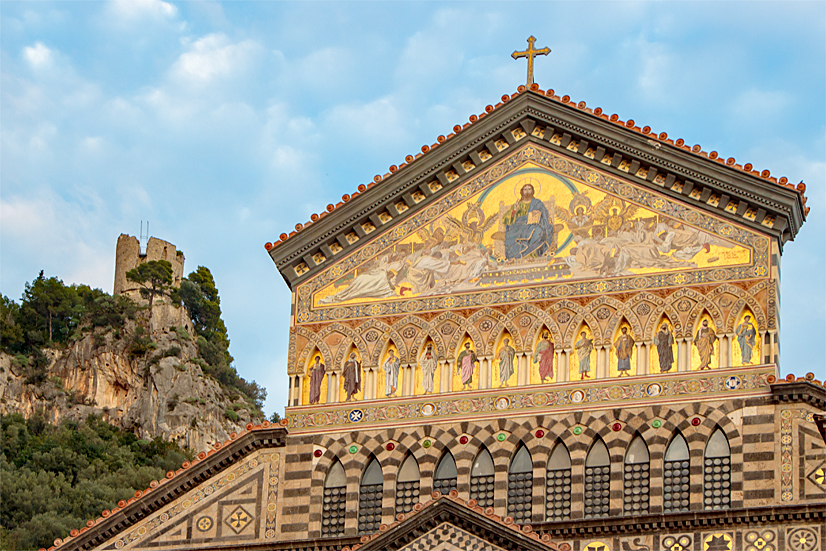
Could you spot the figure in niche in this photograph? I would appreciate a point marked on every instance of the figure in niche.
(352, 376)
(584, 346)
(467, 362)
(544, 356)
(506, 355)
(704, 341)
(317, 371)
(391, 374)
(428, 366)
(664, 342)
(528, 229)
(624, 347)
(746, 334)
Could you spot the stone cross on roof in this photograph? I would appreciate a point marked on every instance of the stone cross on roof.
(530, 53)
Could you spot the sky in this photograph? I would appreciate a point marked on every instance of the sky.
(225, 124)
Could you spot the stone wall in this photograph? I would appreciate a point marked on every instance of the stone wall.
(128, 256)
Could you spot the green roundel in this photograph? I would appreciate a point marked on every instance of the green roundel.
(426, 443)
(354, 449)
(501, 436)
(656, 423)
(577, 430)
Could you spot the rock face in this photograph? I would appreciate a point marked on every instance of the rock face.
(163, 392)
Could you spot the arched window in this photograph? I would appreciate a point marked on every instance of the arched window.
(597, 481)
(407, 486)
(370, 494)
(558, 484)
(481, 479)
(717, 472)
(676, 476)
(520, 486)
(335, 501)
(444, 480)
(635, 480)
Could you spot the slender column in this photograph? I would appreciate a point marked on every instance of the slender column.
(300, 389)
(772, 346)
(558, 365)
(486, 371)
(447, 376)
(565, 370)
(602, 364)
(640, 366)
(332, 396)
(372, 381)
(522, 374)
(761, 356)
(727, 352)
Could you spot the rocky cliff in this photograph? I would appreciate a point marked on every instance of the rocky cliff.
(149, 381)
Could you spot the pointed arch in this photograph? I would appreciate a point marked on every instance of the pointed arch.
(314, 343)
(370, 496)
(717, 471)
(676, 475)
(558, 484)
(462, 327)
(501, 323)
(705, 352)
(636, 469)
(422, 329)
(335, 500)
(540, 317)
(407, 485)
(581, 319)
(446, 474)
(598, 479)
(481, 478)
(520, 485)
(662, 352)
(542, 362)
(628, 364)
(582, 361)
(389, 386)
(746, 346)
(667, 311)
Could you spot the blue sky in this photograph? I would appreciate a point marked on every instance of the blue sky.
(226, 124)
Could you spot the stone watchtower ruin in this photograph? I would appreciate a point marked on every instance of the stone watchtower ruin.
(128, 256)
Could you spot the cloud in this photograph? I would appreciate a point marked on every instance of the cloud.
(214, 57)
(140, 9)
(38, 56)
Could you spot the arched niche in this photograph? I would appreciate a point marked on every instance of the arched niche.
(505, 362)
(746, 345)
(705, 346)
(351, 385)
(622, 359)
(428, 376)
(389, 376)
(583, 362)
(466, 367)
(542, 360)
(663, 351)
(315, 379)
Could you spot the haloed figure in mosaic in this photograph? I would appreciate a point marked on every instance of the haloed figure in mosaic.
(624, 347)
(466, 363)
(665, 342)
(584, 346)
(391, 374)
(317, 371)
(746, 334)
(428, 365)
(528, 229)
(544, 356)
(704, 341)
(352, 376)
(506, 355)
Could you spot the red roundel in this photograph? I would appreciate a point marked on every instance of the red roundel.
(616, 427)
(318, 453)
(540, 433)
(390, 446)
(463, 440)
(696, 421)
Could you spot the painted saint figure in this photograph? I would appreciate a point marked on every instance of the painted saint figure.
(466, 362)
(352, 376)
(584, 346)
(746, 338)
(391, 374)
(704, 341)
(544, 356)
(624, 347)
(317, 371)
(664, 342)
(506, 355)
(528, 229)
(428, 365)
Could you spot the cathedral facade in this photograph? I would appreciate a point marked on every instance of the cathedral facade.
(551, 329)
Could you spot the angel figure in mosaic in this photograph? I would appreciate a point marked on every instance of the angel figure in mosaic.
(704, 341)
(352, 376)
(746, 334)
(613, 212)
(428, 366)
(506, 356)
(579, 216)
(473, 225)
(466, 362)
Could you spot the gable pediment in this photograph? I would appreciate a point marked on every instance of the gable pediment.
(709, 186)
